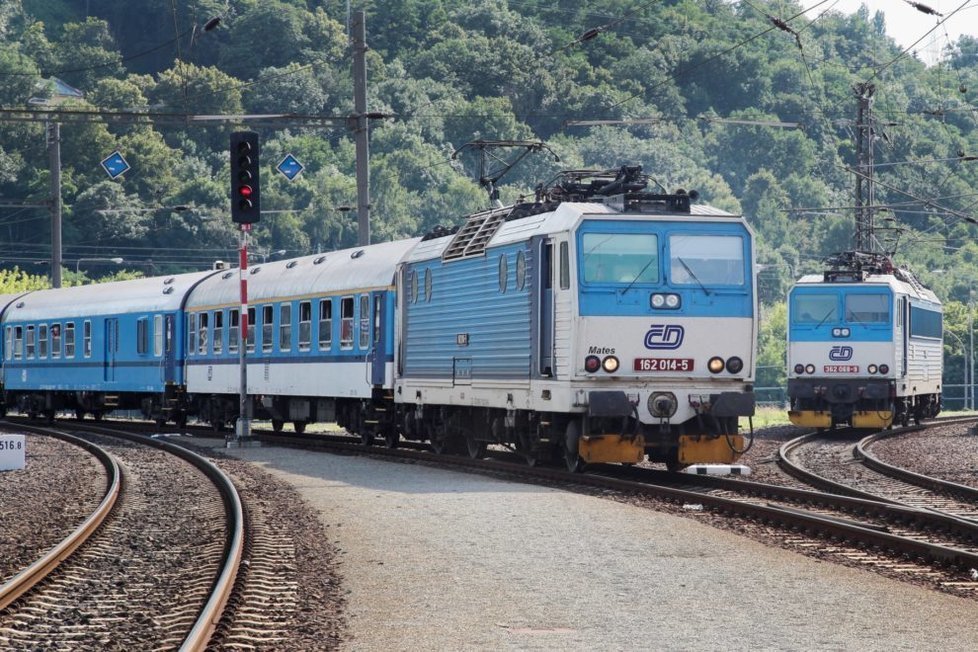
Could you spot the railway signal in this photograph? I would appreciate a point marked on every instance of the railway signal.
(245, 179)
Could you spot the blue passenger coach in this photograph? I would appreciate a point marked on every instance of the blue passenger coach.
(97, 348)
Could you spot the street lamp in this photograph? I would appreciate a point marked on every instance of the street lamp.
(117, 261)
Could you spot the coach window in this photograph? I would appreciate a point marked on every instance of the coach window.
(305, 325)
(142, 336)
(564, 267)
(346, 323)
(87, 338)
(30, 343)
(157, 335)
(42, 341)
(325, 324)
(8, 342)
(250, 335)
(285, 327)
(267, 317)
(364, 322)
(377, 303)
(503, 273)
(234, 330)
(55, 340)
(192, 333)
(18, 342)
(70, 339)
(203, 328)
(218, 331)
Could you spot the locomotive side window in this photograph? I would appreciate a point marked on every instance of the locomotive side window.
(218, 331)
(70, 340)
(427, 284)
(157, 335)
(55, 340)
(520, 270)
(564, 266)
(267, 315)
(87, 339)
(814, 309)
(30, 343)
(305, 325)
(234, 330)
(250, 335)
(346, 323)
(868, 308)
(42, 341)
(706, 259)
(192, 333)
(925, 323)
(325, 324)
(285, 327)
(503, 273)
(620, 257)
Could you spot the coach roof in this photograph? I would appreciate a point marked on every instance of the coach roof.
(142, 295)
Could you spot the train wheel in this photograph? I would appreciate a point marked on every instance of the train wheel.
(299, 426)
(525, 446)
(392, 438)
(437, 439)
(277, 425)
(475, 448)
(572, 438)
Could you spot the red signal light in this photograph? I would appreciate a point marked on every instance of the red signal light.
(245, 191)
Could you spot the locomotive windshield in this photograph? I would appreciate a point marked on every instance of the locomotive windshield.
(706, 260)
(815, 308)
(620, 258)
(868, 308)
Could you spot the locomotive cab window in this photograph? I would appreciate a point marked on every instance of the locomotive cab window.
(868, 308)
(620, 257)
(814, 309)
(706, 260)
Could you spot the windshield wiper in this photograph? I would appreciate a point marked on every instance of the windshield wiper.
(693, 276)
(652, 259)
(827, 315)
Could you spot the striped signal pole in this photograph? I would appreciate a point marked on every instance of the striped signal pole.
(244, 418)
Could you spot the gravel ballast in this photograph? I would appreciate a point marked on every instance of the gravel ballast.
(432, 559)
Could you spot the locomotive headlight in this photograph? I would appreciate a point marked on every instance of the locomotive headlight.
(871, 369)
(663, 404)
(658, 300)
(735, 365)
(884, 369)
(810, 369)
(610, 364)
(836, 332)
(715, 365)
(592, 363)
(672, 301)
(799, 368)
(845, 332)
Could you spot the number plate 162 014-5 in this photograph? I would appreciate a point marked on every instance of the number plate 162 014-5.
(663, 364)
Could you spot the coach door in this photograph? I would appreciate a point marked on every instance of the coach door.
(166, 340)
(111, 348)
(377, 359)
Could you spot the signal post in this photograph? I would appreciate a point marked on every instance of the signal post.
(245, 211)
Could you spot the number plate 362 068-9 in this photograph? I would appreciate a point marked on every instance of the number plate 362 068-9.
(663, 364)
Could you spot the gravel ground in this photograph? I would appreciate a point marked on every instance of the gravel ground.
(948, 452)
(435, 560)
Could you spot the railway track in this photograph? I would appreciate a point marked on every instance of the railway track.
(154, 566)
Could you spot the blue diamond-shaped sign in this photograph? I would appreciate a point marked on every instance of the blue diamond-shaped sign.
(290, 167)
(115, 165)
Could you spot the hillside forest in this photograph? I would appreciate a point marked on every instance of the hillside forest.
(751, 103)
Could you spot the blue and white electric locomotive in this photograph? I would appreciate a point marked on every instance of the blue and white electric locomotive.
(601, 323)
(865, 346)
